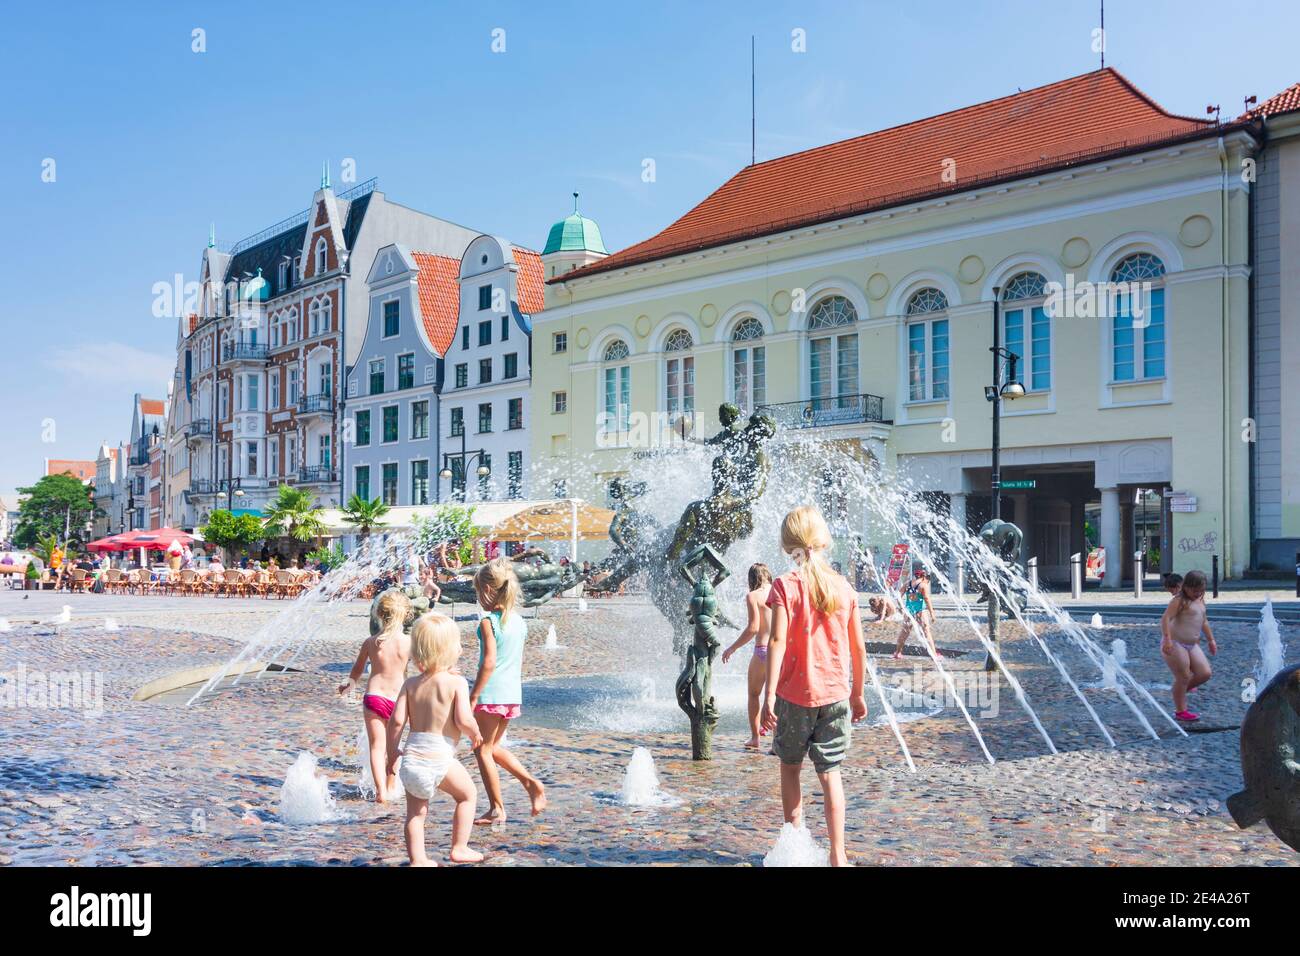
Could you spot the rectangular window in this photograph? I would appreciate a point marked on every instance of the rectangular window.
(1032, 347)
(927, 361)
(293, 385)
(420, 419)
(405, 371)
(846, 368)
(484, 298)
(457, 422)
(618, 411)
(462, 375)
(464, 337)
(363, 481)
(273, 399)
(390, 484)
(362, 428)
(390, 423)
(485, 417)
(515, 474)
(485, 332)
(392, 319)
(223, 401)
(505, 328)
(376, 376)
(559, 402)
(559, 342)
(251, 462)
(484, 371)
(1153, 337)
(272, 456)
(749, 377)
(680, 381)
(326, 376)
(420, 482)
(512, 365)
(250, 400)
(939, 358)
(324, 449)
(516, 413)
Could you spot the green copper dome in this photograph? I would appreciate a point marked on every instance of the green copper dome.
(574, 233)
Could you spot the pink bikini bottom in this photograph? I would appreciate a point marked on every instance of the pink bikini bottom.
(382, 706)
(508, 711)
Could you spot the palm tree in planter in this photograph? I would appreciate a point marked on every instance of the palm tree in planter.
(364, 515)
(294, 515)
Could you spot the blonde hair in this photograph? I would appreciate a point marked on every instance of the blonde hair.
(435, 643)
(804, 530)
(497, 587)
(393, 611)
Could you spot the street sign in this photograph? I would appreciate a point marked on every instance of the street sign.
(1019, 483)
(1185, 509)
(1182, 500)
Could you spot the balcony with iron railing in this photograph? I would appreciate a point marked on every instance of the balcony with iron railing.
(244, 352)
(199, 428)
(317, 475)
(827, 412)
(322, 404)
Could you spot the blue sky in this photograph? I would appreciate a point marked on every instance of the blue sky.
(153, 141)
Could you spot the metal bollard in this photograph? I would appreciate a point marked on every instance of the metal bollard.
(1031, 566)
(1139, 572)
(959, 579)
(1076, 576)
(1214, 563)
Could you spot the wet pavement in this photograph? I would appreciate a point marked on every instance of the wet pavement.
(94, 776)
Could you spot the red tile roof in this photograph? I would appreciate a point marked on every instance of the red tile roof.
(1285, 102)
(83, 470)
(1082, 119)
(439, 284)
(152, 406)
(529, 283)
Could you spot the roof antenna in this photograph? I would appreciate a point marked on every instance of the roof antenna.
(753, 120)
(575, 204)
(1250, 101)
(1103, 34)
(1213, 108)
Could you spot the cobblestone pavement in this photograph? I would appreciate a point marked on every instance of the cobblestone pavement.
(123, 781)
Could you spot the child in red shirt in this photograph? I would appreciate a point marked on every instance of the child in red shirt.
(816, 641)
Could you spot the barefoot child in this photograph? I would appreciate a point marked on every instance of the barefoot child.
(756, 628)
(498, 688)
(919, 611)
(436, 705)
(388, 651)
(816, 633)
(1181, 627)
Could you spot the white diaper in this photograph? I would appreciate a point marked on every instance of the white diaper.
(425, 760)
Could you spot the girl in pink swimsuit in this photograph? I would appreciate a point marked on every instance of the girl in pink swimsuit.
(1181, 627)
(756, 629)
(387, 653)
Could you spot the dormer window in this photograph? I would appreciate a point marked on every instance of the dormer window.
(320, 255)
(282, 276)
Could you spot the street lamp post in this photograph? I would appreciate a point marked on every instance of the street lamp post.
(1010, 389)
(465, 458)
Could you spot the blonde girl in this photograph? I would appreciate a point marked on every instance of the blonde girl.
(387, 652)
(436, 705)
(816, 636)
(1181, 627)
(757, 627)
(498, 689)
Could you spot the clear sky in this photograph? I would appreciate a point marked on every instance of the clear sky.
(152, 141)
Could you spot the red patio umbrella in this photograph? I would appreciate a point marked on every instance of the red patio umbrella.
(156, 539)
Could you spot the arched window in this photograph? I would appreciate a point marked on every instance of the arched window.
(326, 315)
(748, 365)
(616, 378)
(321, 258)
(927, 346)
(679, 373)
(832, 354)
(1027, 328)
(313, 318)
(1138, 323)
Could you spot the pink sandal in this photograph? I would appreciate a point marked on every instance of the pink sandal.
(1186, 716)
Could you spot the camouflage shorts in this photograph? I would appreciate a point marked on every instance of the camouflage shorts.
(822, 733)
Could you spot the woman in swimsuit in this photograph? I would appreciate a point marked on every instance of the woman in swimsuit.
(387, 653)
(918, 611)
(1181, 627)
(757, 628)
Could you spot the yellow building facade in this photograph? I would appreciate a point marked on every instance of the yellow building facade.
(874, 329)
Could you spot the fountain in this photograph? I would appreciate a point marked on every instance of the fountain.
(366, 778)
(795, 846)
(552, 639)
(695, 685)
(305, 796)
(1119, 651)
(1096, 620)
(111, 625)
(1272, 652)
(641, 782)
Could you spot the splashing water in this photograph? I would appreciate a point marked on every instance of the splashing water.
(795, 846)
(111, 625)
(1096, 619)
(366, 777)
(641, 783)
(582, 605)
(64, 616)
(1119, 651)
(5, 627)
(305, 796)
(1272, 652)
(552, 640)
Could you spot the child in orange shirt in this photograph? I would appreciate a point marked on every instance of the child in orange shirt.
(816, 635)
